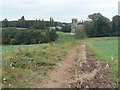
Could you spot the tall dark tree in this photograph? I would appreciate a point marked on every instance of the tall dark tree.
(43, 24)
(5, 23)
(52, 23)
(36, 24)
(115, 24)
(22, 22)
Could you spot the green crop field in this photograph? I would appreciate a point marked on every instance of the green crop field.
(106, 50)
(108, 47)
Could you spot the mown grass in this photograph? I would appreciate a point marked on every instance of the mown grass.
(27, 65)
(101, 38)
(65, 36)
(106, 51)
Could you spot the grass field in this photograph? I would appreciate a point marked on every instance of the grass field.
(8, 49)
(26, 65)
(62, 36)
(29, 64)
(106, 50)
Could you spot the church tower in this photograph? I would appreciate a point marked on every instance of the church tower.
(73, 25)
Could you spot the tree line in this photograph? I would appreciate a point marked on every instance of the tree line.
(37, 30)
(26, 36)
(30, 31)
(36, 24)
(99, 26)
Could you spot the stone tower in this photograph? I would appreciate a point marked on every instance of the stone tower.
(73, 25)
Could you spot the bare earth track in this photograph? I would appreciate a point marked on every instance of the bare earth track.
(89, 73)
(60, 75)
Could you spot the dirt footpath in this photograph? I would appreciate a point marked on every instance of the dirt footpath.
(89, 72)
(59, 77)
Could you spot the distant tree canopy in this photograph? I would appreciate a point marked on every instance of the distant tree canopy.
(37, 30)
(16, 37)
(22, 23)
(66, 28)
(35, 24)
(98, 26)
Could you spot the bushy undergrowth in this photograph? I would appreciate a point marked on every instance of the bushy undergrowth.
(27, 66)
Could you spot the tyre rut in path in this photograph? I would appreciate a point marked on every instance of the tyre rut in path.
(59, 77)
(90, 73)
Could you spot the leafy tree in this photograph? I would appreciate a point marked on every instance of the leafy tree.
(89, 28)
(99, 25)
(7, 34)
(19, 36)
(115, 25)
(52, 35)
(46, 39)
(80, 33)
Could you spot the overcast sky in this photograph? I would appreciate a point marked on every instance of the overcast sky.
(60, 10)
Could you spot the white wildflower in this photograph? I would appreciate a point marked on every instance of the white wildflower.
(107, 65)
(9, 84)
(11, 64)
(112, 58)
(4, 79)
(29, 61)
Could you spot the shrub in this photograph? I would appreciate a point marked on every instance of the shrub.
(80, 33)
(33, 41)
(46, 39)
(12, 41)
